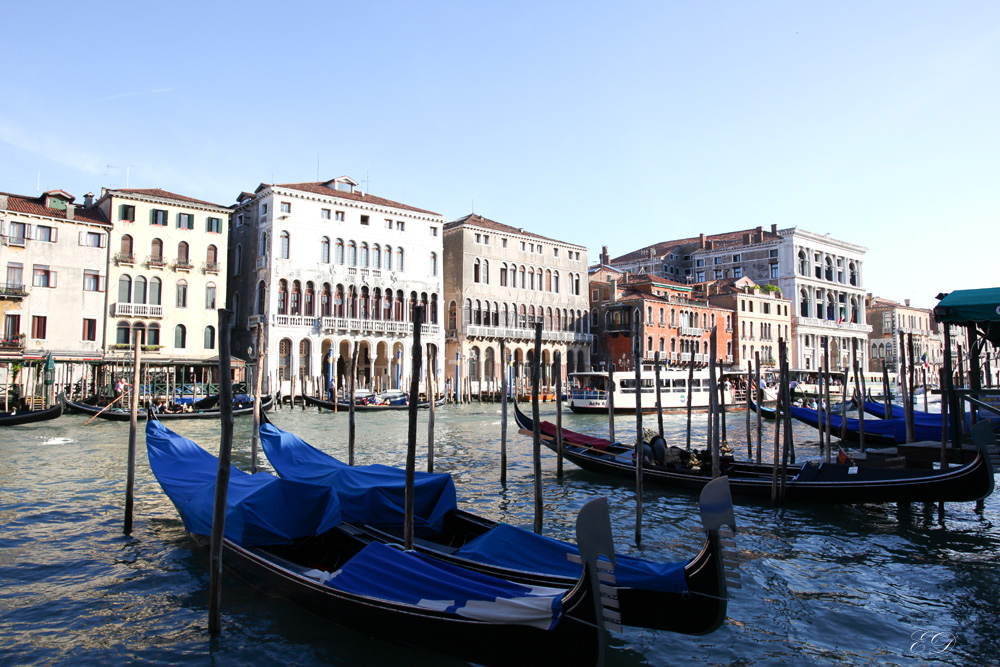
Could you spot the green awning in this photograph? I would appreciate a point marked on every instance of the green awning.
(979, 307)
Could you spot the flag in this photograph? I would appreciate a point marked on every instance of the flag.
(923, 358)
(843, 315)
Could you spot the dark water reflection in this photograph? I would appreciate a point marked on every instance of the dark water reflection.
(846, 585)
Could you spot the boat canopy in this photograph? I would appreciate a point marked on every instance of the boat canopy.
(373, 494)
(504, 545)
(261, 509)
(972, 306)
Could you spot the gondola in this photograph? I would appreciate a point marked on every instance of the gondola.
(828, 483)
(770, 414)
(685, 597)
(361, 407)
(928, 419)
(281, 536)
(121, 414)
(879, 432)
(18, 417)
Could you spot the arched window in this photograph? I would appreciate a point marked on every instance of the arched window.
(209, 338)
(296, 302)
(324, 250)
(180, 337)
(210, 294)
(803, 263)
(399, 259)
(388, 258)
(283, 297)
(286, 243)
(183, 254)
(261, 297)
(804, 303)
(123, 334)
(284, 359)
(156, 250)
(352, 253)
(309, 304)
(486, 272)
(127, 246)
(339, 257)
(476, 269)
(182, 294)
(434, 264)
(153, 334)
(263, 244)
(326, 301)
(555, 282)
(125, 289)
(377, 256)
(364, 255)
(853, 268)
(155, 289)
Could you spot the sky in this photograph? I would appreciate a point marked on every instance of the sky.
(602, 124)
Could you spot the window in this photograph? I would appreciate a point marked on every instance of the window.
(324, 250)
(156, 251)
(94, 239)
(718, 260)
(699, 262)
(122, 333)
(737, 272)
(42, 276)
(286, 207)
(399, 259)
(89, 329)
(434, 264)
(774, 271)
(773, 253)
(263, 210)
(93, 281)
(285, 245)
(737, 257)
(400, 225)
(364, 218)
(45, 233)
(15, 274)
(183, 255)
(214, 225)
(153, 334)
(434, 231)
(364, 255)
(185, 221)
(210, 296)
(700, 276)
(18, 233)
(127, 214)
(209, 338)
(158, 217)
(503, 242)
(239, 220)
(324, 213)
(555, 252)
(182, 294)
(180, 336)
(38, 326)
(339, 256)
(388, 223)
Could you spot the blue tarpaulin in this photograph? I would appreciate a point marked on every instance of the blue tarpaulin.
(387, 573)
(507, 546)
(260, 509)
(373, 494)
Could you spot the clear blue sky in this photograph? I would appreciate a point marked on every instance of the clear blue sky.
(618, 124)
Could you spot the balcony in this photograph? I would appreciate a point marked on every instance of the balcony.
(690, 331)
(14, 343)
(363, 326)
(136, 310)
(124, 259)
(210, 267)
(830, 325)
(296, 321)
(262, 262)
(16, 241)
(512, 333)
(13, 291)
(182, 265)
(155, 262)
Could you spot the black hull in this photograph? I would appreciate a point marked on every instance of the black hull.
(972, 481)
(571, 641)
(344, 406)
(113, 414)
(32, 416)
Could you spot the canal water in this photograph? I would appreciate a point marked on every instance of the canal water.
(845, 585)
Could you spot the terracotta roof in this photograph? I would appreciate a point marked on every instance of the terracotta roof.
(36, 206)
(486, 223)
(163, 194)
(662, 248)
(320, 188)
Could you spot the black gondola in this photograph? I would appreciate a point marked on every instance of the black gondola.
(687, 597)
(281, 537)
(828, 483)
(361, 407)
(18, 417)
(121, 414)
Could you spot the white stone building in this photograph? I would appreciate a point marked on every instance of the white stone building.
(54, 255)
(322, 267)
(499, 281)
(167, 274)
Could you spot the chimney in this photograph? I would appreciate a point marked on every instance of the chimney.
(70, 210)
(701, 240)
(88, 199)
(906, 302)
(747, 238)
(614, 290)
(774, 229)
(3, 202)
(605, 257)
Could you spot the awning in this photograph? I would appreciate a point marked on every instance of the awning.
(980, 307)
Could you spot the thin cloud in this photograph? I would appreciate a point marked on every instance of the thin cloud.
(119, 96)
(50, 147)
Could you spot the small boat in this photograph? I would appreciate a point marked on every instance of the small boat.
(932, 419)
(116, 413)
(281, 536)
(589, 391)
(685, 597)
(18, 417)
(883, 432)
(828, 483)
(765, 412)
(367, 403)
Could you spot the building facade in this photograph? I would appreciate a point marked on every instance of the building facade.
(54, 254)
(167, 274)
(675, 323)
(760, 318)
(823, 278)
(888, 319)
(322, 267)
(501, 280)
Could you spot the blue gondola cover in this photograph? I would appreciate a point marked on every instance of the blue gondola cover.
(260, 509)
(371, 494)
